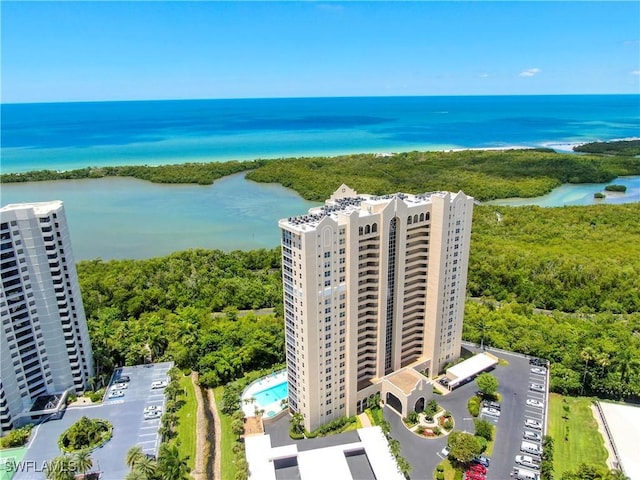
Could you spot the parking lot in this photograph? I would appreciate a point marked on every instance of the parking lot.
(522, 414)
(515, 379)
(125, 414)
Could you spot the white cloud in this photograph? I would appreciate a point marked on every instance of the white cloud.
(635, 72)
(530, 73)
(484, 75)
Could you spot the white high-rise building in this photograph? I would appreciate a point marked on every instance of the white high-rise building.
(44, 343)
(374, 292)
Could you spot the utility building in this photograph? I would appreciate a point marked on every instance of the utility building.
(374, 291)
(45, 350)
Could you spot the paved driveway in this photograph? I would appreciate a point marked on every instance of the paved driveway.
(126, 416)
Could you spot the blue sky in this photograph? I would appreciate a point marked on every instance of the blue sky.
(82, 51)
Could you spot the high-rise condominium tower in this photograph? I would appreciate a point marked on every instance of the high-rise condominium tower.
(374, 291)
(44, 343)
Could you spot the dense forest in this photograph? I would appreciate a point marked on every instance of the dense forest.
(161, 309)
(590, 354)
(573, 259)
(199, 173)
(485, 175)
(619, 147)
(583, 258)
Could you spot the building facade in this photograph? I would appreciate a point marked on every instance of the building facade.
(374, 291)
(44, 342)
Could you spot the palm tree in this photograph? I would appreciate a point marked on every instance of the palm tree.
(134, 455)
(146, 466)
(297, 422)
(60, 468)
(170, 465)
(83, 461)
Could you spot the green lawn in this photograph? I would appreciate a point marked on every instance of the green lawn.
(227, 441)
(583, 443)
(187, 422)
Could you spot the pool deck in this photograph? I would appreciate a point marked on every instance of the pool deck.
(259, 385)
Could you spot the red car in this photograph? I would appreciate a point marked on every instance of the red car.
(474, 476)
(477, 468)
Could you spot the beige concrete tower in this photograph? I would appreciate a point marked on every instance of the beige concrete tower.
(374, 286)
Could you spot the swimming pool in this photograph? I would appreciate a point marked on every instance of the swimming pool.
(266, 395)
(272, 394)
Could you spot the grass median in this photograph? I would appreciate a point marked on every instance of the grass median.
(187, 419)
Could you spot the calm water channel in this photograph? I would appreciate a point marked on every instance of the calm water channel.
(127, 218)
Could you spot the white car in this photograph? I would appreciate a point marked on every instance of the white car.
(533, 424)
(494, 412)
(445, 451)
(536, 387)
(539, 370)
(529, 435)
(153, 408)
(115, 394)
(120, 386)
(159, 384)
(527, 461)
(152, 415)
(534, 403)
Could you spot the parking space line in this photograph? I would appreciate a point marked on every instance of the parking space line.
(145, 441)
(147, 434)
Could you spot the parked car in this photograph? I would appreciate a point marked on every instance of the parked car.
(533, 424)
(445, 451)
(159, 384)
(539, 370)
(474, 476)
(536, 387)
(476, 467)
(527, 461)
(489, 404)
(538, 362)
(530, 435)
(482, 460)
(123, 378)
(115, 394)
(120, 386)
(534, 403)
(152, 415)
(444, 381)
(153, 408)
(491, 412)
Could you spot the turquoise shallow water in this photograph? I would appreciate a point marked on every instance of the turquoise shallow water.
(581, 194)
(62, 136)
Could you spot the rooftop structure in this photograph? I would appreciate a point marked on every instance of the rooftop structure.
(323, 463)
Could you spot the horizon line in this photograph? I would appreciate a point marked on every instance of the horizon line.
(317, 97)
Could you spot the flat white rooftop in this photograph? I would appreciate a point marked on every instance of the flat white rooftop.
(624, 425)
(322, 463)
(470, 367)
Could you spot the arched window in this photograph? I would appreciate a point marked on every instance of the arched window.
(409, 222)
(367, 230)
(427, 217)
(360, 230)
(422, 217)
(415, 218)
(374, 228)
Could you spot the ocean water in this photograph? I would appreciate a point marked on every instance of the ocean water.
(128, 218)
(62, 136)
